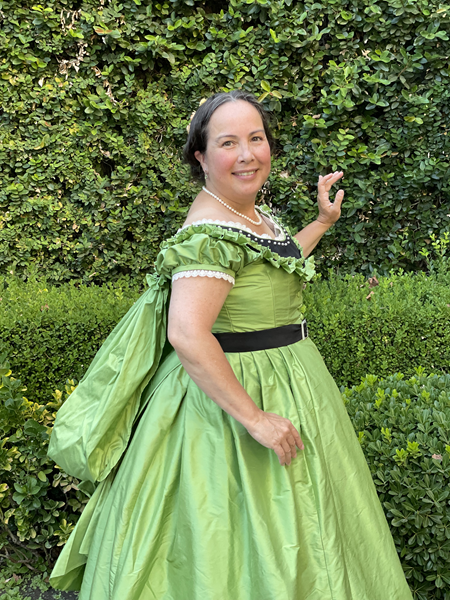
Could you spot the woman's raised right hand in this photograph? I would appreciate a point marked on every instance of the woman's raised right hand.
(277, 433)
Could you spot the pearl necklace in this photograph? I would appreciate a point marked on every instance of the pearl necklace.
(232, 209)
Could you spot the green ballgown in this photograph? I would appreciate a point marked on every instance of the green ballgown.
(185, 504)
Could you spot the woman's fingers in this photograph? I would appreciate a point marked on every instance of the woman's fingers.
(286, 449)
(277, 433)
(339, 197)
(287, 456)
(336, 175)
(330, 179)
(297, 439)
(292, 445)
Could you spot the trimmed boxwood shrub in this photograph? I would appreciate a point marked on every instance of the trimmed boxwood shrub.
(52, 333)
(39, 503)
(379, 325)
(403, 426)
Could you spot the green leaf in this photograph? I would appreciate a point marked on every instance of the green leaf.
(45, 140)
(102, 31)
(265, 86)
(274, 36)
(76, 34)
(170, 57)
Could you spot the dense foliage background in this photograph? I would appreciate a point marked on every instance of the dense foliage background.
(96, 96)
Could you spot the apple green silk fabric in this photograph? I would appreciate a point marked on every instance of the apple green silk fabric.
(185, 504)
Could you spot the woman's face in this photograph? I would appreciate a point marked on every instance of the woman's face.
(237, 157)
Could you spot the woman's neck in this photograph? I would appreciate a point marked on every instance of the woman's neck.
(242, 205)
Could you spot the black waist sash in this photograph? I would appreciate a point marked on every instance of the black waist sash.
(249, 341)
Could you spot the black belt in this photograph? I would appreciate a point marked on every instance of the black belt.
(249, 341)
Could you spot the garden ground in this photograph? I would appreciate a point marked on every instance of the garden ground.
(29, 587)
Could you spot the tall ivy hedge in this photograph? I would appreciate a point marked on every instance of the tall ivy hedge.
(96, 96)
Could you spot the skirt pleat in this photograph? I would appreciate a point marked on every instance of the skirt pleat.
(199, 510)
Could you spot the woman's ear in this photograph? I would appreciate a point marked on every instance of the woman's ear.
(199, 156)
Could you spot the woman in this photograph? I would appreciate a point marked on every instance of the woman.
(228, 467)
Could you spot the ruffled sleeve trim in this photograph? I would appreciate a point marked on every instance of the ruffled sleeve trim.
(201, 266)
(203, 273)
(304, 268)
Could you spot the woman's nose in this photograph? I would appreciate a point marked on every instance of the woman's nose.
(245, 153)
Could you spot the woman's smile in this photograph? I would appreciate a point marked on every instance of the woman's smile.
(250, 174)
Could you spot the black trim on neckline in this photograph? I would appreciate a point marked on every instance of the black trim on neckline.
(285, 248)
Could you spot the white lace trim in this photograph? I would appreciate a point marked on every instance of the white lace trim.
(204, 273)
(279, 235)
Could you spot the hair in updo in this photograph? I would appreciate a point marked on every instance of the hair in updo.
(198, 130)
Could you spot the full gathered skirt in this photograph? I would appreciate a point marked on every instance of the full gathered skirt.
(197, 509)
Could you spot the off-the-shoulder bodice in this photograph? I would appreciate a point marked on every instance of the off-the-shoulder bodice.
(268, 274)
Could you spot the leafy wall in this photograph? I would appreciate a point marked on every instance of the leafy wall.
(96, 96)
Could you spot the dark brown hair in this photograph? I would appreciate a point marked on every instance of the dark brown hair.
(198, 131)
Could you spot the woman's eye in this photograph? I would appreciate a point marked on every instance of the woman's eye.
(255, 137)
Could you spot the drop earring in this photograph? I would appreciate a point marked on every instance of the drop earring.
(206, 175)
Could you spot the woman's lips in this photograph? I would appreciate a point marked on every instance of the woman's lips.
(243, 174)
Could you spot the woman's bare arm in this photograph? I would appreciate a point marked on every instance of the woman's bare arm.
(194, 306)
(310, 236)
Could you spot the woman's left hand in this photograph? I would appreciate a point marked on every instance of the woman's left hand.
(329, 212)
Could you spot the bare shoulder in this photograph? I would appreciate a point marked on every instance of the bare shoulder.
(201, 209)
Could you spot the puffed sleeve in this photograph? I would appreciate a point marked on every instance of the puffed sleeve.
(201, 254)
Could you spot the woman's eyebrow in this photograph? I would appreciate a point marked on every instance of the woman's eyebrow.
(234, 136)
